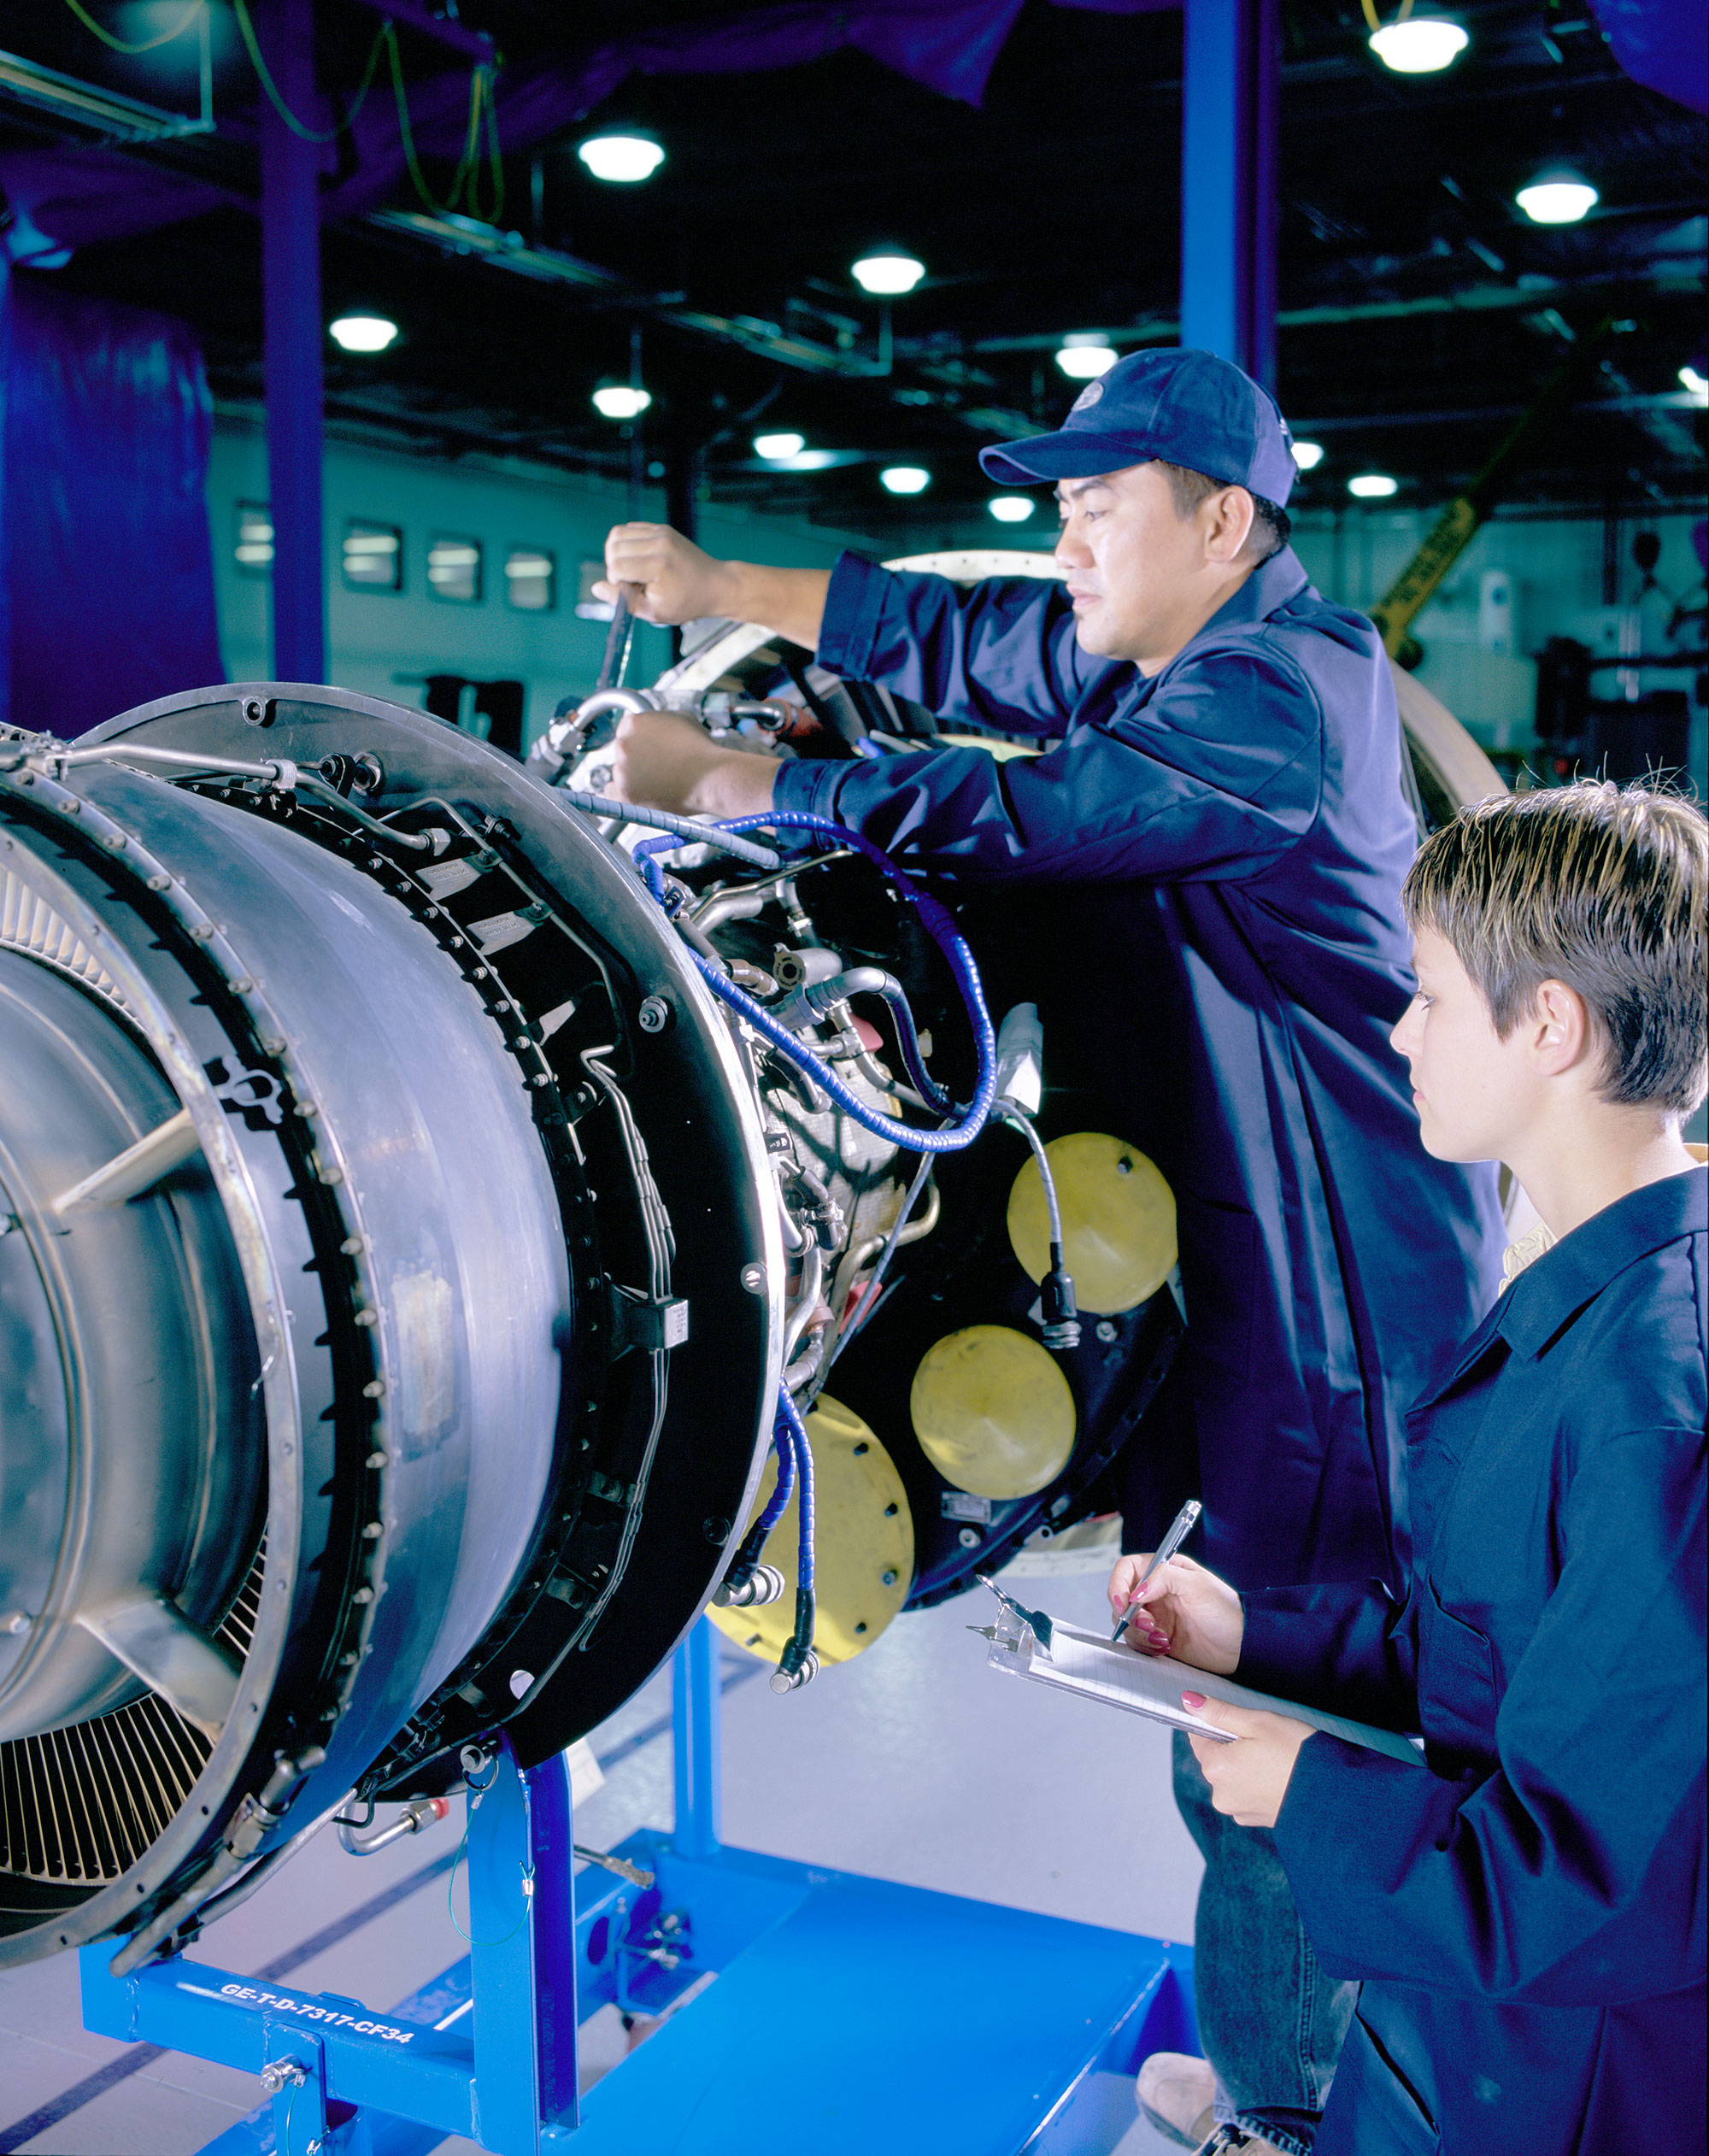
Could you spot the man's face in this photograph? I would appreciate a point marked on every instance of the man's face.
(1475, 1092)
(1137, 568)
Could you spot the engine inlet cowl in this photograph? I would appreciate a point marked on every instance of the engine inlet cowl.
(377, 1311)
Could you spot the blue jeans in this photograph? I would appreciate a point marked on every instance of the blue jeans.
(1270, 2020)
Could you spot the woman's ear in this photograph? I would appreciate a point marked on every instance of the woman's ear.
(1559, 1025)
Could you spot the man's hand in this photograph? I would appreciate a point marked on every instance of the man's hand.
(659, 760)
(1182, 1610)
(663, 578)
(1248, 1779)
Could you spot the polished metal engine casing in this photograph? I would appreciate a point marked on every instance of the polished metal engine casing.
(353, 1409)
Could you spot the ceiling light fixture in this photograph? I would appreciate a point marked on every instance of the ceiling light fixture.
(1696, 384)
(1373, 486)
(1011, 508)
(1418, 44)
(1561, 196)
(362, 332)
(1308, 455)
(904, 479)
(775, 447)
(887, 272)
(624, 155)
(1083, 358)
(621, 400)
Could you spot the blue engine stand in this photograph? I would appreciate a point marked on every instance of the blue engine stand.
(849, 2015)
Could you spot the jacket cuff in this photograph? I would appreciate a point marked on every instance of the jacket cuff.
(1280, 1645)
(853, 606)
(808, 786)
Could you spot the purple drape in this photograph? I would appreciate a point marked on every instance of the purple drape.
(109, 572)
(1662, 43)
(75, 195)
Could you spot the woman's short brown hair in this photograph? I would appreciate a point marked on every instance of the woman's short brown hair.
(1597, 886)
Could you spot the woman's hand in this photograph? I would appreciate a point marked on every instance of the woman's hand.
(1182, 1610)
(1249, 1778)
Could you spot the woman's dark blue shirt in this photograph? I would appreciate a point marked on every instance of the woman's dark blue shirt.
(1529, 1917)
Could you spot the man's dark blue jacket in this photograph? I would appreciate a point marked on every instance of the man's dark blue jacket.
(1236, 834)
(1529, 1917)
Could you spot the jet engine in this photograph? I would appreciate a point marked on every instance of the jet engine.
(391, 1290)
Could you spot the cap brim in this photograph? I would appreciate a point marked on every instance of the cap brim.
(1077, 455)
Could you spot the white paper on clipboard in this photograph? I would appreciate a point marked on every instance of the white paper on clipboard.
(1095, 1668)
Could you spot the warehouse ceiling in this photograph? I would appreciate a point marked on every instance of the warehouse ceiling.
(1421, 313)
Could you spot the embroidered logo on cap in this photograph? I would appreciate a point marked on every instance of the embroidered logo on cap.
(1087, 397)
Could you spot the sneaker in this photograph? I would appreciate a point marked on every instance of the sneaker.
(1177, 2093)
(1235, 2141)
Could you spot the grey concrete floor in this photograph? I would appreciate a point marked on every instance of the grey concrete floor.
(913, 1763)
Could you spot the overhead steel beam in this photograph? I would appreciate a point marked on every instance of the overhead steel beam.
(1475, 299)
(444, 30)
(106, 113)
(452, 234)
(1636, 405)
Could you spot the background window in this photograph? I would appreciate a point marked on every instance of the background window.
(373, 555)
(454, 568)
(588, 608)
(530, 578)
(252, 546)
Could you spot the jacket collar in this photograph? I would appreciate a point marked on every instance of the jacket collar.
(1272, 586)
(1556, 1287)
(1269, 587)
(1551, 1292)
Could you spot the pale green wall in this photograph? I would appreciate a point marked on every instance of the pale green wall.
(374, 635)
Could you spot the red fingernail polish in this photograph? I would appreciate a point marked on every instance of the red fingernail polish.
(1195, 1700)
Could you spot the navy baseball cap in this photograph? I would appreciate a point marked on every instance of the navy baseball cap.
(1189, 407)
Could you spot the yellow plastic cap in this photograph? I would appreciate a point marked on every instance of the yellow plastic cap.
(863, 1554)
(992, 1411)
(1118, 1220)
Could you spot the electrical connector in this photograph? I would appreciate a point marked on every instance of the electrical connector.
(1061, 1327)
(784, 1680)
(763, 1584)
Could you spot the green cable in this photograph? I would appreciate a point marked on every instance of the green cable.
(482, 106)
(495, 159)
(148, 45)
(405, 133)
(290, 119)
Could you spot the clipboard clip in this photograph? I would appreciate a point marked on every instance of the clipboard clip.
(1035, 1619)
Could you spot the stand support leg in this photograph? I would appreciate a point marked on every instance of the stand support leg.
(697, 1705)
(522, 1934)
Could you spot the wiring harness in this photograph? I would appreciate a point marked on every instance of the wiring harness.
(748, 1583)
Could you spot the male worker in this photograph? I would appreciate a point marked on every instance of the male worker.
(1224, 796)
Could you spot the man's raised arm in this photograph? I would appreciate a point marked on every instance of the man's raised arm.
(665, 579)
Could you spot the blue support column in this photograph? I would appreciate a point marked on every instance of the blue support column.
(1229, 95)
(5, 500)
(696, 1710)
(522, 1927)
(291, 286)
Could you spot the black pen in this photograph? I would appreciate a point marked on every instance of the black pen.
(1171, 1542)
